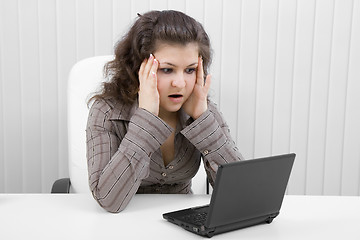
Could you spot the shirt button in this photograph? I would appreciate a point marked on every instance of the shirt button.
(206, 152)
(171, 167)
(163, 174)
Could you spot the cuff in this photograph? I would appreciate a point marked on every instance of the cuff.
(205, 133)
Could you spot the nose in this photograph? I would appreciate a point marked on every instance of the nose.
(179, 81)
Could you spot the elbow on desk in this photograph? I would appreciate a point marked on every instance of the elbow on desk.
(111, 207)
(111, 210)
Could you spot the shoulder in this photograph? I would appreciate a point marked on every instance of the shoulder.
(113, 109)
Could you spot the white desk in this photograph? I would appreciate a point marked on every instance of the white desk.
(77, 216)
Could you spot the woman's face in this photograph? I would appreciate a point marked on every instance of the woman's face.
(176, 74)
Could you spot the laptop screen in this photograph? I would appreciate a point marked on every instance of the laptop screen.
(249, 189)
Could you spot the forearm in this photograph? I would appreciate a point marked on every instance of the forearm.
(114, 187)
(116, 176)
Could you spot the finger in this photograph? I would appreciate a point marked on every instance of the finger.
(148, 66)
(200, 72)
(142, 68)
(153, 72)
(155, 66)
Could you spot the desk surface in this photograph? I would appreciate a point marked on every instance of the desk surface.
(77, 216)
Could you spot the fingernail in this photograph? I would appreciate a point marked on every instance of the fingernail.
(151, 56)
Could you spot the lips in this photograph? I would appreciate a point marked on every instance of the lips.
(176, 98)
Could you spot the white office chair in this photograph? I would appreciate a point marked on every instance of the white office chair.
(85, 78)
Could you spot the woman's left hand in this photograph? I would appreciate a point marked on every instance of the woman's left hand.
(196, 104)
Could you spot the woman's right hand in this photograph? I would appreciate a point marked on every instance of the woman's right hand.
(149, 98)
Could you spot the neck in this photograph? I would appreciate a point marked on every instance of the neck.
(169, 117)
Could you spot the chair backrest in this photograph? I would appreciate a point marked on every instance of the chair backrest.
(85, 78)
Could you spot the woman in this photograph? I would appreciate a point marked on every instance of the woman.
(152, 122)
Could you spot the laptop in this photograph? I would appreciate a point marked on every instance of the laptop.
(246, 193)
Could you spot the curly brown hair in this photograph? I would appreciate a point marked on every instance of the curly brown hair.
(167, 26)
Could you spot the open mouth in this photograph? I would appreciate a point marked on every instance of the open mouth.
(175, 96)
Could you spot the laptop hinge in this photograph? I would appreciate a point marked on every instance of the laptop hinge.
(272, 217)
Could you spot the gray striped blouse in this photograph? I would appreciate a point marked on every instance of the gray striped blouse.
(124, 157)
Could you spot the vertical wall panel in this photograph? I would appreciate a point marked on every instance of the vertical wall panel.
(103, 20)
(196, 10)
(301, 93)
(140, 6)
(266, 77)
(319, 95)
(12, 128)
(2, 140)
(230, 73)
(350, 182)
(158, 4)
(248, 55)
(213, 26)
(318, 104)
(179, 5)
(338, 82)
(66, 58)
(284, 70)
(317, 112)
(49, 93)
(85, 29)
(30, 95)
(122, 18)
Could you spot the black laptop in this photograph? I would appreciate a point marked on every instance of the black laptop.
(246, 193)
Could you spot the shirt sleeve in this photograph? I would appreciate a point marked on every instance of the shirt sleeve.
(117, 164)
(211, 136)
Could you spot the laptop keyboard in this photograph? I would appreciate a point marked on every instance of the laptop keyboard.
(198, 218)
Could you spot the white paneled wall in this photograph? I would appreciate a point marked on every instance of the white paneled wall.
(286, 75)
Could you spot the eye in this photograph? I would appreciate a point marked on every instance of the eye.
(190, 70)
(166, 70)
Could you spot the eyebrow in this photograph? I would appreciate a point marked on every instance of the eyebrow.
(190, 65)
